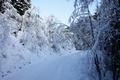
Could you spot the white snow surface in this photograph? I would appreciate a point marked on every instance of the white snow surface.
(66, 67)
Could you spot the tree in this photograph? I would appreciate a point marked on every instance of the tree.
(108, 35)
(2, 8)
(82, 18)
(109, 39)
(21, 5)
(82, 34)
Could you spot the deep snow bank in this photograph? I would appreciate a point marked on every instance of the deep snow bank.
(13, 57)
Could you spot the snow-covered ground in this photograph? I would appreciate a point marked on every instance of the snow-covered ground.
(67, 67)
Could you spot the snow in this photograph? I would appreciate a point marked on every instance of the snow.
(67, 67)
(34, 48)
(14, 57)
(41, 48)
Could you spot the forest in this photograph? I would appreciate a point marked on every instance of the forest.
(33, 47)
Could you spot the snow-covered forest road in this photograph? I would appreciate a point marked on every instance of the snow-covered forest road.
(67, 67)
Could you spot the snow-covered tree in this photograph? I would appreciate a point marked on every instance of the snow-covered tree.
(109, 39)
(104, 28)
(1, 6)
(82, 20)
(21, 5)
(82, 34)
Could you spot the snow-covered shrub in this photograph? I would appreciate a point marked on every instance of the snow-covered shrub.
(12, 54)
(44, 34)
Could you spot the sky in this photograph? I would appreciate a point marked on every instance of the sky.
(61, 9)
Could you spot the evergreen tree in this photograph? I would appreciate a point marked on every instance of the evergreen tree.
(1, 6)
(21, 5)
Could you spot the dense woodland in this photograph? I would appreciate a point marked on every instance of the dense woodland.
(98, 33)
(104, 33)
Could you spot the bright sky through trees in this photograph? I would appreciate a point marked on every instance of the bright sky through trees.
(61, 9)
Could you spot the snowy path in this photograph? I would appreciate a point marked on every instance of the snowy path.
(67, 67)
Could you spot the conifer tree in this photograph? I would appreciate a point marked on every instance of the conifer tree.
(1, 6)
(21, 5)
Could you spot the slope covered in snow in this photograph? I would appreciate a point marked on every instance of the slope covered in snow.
(13, 57)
